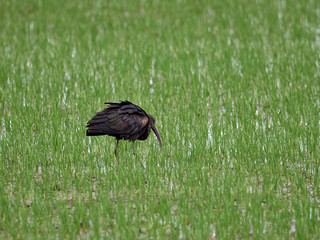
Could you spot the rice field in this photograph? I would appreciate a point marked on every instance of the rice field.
(234, 87)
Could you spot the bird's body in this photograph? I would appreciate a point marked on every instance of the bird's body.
(123, 120)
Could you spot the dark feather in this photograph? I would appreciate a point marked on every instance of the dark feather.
(119, 119)
(123, 120)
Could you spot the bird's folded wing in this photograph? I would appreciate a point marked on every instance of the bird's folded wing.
(132, 123)
(118, 122)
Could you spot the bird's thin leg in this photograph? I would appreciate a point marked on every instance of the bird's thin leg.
(115, 151)
(133, 148)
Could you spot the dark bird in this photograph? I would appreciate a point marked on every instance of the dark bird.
(123, 120)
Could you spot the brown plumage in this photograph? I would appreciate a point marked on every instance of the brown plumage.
(123, 120)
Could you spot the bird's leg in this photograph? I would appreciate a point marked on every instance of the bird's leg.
(133, 148)
(115, 151)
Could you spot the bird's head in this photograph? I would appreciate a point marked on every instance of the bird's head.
(154, 129)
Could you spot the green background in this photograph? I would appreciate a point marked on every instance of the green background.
(233, 86)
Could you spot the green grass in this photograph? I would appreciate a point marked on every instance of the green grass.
(234, 88)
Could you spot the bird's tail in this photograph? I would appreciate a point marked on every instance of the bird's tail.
(96, 130)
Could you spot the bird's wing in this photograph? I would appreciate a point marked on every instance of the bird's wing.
(130, 124)
(119, 119)
(126, 107)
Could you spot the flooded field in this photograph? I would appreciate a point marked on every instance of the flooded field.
(233, 87)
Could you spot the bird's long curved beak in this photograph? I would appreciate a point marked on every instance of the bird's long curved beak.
(154, 129)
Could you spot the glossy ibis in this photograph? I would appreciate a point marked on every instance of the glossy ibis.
(123, 120)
